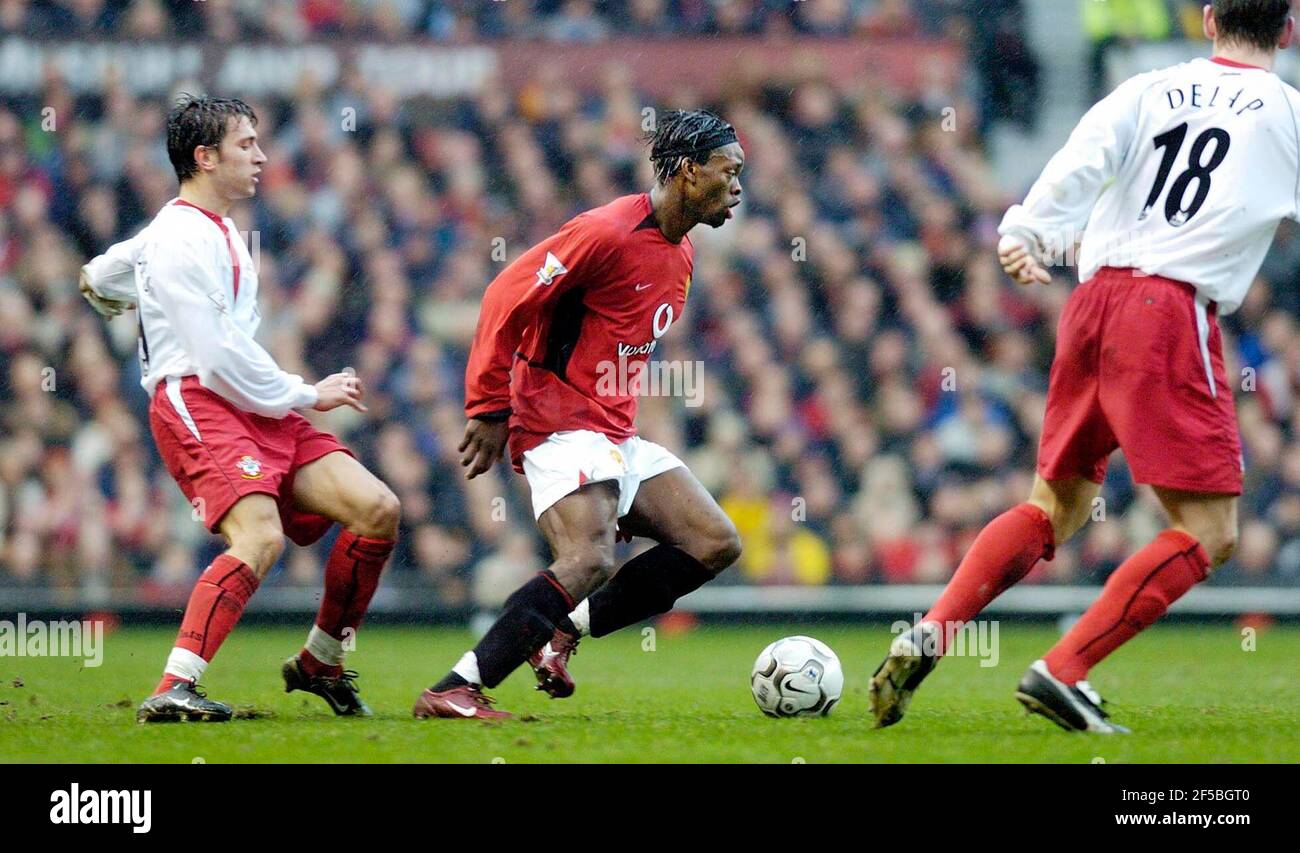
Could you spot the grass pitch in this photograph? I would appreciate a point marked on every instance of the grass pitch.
(1191, 693)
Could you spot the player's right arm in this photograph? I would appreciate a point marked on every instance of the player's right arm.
(1058, 205)
(183, 280)
(108, 281)
(512, 304)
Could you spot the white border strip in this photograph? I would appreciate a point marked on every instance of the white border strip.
(1203, 338)
(178, 403)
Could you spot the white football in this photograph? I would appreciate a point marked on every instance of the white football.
(797, 676)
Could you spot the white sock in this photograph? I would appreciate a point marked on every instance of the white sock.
(184, 664)
(581, 618)
(323, 647)
(467, 668)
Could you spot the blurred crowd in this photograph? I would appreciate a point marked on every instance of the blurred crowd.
(992, 30)
(1122, 23)
(461, 20)
(872, 385)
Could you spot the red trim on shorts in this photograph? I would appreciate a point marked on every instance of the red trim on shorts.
(221, 223)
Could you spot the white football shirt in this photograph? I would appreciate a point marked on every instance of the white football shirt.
(195, 288)
(1183, 172)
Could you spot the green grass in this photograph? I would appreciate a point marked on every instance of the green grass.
(1190, 694)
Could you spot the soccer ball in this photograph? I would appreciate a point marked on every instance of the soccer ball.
(797, 676)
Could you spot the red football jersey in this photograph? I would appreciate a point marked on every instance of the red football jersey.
(558, 322)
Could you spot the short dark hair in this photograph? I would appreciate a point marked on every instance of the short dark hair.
(199, 120)
(1258, 23)
(685, 134)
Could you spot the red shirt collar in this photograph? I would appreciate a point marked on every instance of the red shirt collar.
(209, 214)
(1232, 63)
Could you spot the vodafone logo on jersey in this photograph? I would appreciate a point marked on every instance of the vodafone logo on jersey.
(550, 270)
(662, 320)
(627, 350)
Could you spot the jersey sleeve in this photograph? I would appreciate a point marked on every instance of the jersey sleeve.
(228, 361)
(573, 257)
(1059, 203)
(112, 274)
(1293, 100)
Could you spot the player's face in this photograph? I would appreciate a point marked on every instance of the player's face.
(240, 162)
(716, 189)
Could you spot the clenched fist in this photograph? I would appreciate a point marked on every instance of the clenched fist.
(1019, 263)
(483, 445)
(105, 307)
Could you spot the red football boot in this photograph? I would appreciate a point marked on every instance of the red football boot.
(464, 701)
(550, 664)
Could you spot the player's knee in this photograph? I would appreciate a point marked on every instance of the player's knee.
(1066, 518)
(723, 549)
(1220, 544)
(259, 547)
(381, 515)
(253, 531)
(598, 561)
(593, 562)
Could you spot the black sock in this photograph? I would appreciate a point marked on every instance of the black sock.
(450, 680)
(526, 622)
(646, 586)
(566, 625)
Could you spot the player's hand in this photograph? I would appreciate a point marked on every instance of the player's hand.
(105, 307)
(340, 389)
(1019, 263)
(483, 445)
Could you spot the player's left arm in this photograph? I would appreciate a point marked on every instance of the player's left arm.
(1057, 208)
(183, 281)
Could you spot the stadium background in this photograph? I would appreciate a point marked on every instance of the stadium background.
(872, 384)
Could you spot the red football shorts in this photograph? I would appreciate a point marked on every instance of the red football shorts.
(1139, 366)
(218, 454)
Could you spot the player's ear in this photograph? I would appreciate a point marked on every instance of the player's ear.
(1288, 32)
(206, 156)
(1207, 22)
(690, 170)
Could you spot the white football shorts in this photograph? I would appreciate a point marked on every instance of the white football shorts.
(568, 460)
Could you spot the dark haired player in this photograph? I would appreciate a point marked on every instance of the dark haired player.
(600, 292)
(222, 414)
(1180, 176)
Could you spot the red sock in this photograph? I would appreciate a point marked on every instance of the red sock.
(215, 605)
(1003, 553)
(351, 576)
(1135, 596)
(312, 666)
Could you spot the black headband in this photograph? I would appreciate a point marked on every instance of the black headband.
(714, 139)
